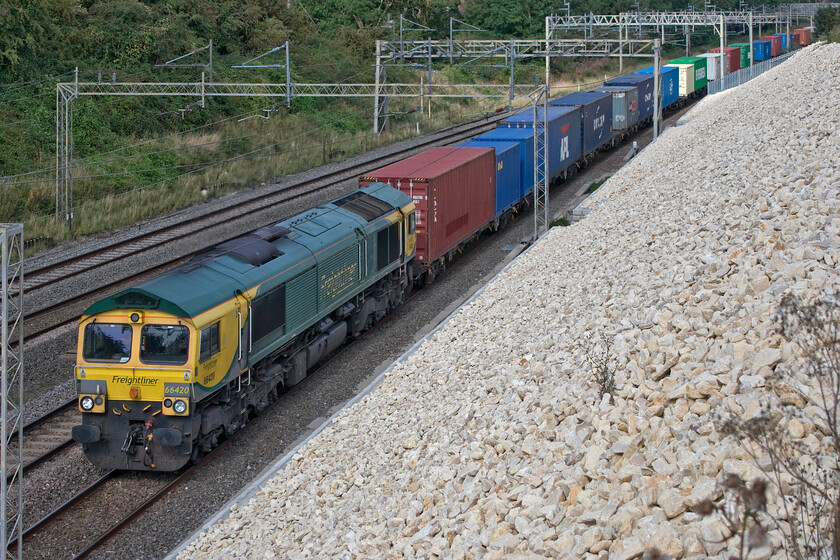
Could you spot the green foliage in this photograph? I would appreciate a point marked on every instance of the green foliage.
(827, 22)
(457, 75)
(510, 18)
(43, 41)
(594, 186)
(562, 222)
(21, 30)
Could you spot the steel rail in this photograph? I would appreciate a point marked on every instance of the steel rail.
(39, 422)
(346, 172)
(139, 510)
(53, 515)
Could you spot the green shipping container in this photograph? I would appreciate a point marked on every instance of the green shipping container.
(700, 70)
(745, 53)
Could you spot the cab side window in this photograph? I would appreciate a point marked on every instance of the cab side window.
(209, 342)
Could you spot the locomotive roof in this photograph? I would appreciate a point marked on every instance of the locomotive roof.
(267, 256)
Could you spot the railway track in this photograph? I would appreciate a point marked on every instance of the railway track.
(110, 483)
(36, 279)
(163, 483)
(108, 492)
(47, 436)
(47, 275)
(169, 483)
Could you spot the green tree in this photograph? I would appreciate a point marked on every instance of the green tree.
(827, 20)
(22, 29)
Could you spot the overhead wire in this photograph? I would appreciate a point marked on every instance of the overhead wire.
(204, 163)
(138, 144)
(247, 156)
(23, 85)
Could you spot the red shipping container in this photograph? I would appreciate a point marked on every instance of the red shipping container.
(775, 44)
(733, 58)
(453, 190)
(795, 40)
(804, 35)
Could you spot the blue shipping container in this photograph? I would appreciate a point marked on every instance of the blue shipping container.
(784, 40)
(644, 84)
(563, 135)
(525, 138)
(670, 83)
(625, 105)
(508, 175)
(595, 117)
(761, 50)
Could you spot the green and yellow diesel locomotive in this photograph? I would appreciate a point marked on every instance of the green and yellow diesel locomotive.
(169, 367)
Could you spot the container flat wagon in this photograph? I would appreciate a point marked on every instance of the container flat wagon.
(508, 173)
(669, 83)
(644, 84)
(595, 118)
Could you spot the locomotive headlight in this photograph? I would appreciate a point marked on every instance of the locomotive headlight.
(179, 407)
(167, 403)
(86, 403)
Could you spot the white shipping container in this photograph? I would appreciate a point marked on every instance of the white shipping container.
(686, 78)
(712, 62)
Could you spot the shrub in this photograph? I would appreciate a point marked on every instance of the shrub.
(594, 186)
(808, 482)
(603, 367)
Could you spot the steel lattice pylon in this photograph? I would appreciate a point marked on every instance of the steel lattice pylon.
(11, 411)
(380, 91)
(541, 188)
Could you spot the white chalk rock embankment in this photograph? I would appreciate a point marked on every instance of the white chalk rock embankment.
(492, 440)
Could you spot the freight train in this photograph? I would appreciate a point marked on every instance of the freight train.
(168, 368)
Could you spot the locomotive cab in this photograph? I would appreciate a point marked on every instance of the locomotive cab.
(134, 376)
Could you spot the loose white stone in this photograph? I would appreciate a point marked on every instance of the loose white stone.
(492, 439)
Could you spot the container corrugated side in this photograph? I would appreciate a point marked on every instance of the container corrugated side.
(700, 69)
(745, 53)
(625, 105)
(762, 50)
(525, 138)
(453, 190)
(785, 41)
(733, 57)
(669, 83)
(563, 134)
(775, 44)
(804, 35)
(596, 117)
(644, 84)
(712, 61)
(686, 78)
(508, 173)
